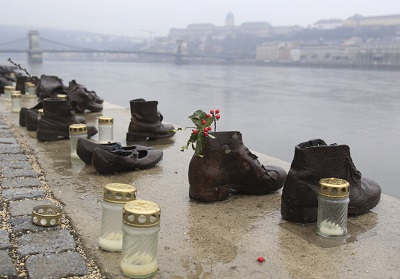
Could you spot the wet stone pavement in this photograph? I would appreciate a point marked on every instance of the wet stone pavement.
(28, 250)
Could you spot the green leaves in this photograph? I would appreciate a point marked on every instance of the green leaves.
(199, 133)
(200, 115)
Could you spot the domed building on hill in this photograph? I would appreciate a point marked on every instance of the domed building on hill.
(229, 20)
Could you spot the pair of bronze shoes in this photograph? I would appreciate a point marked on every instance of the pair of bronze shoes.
(112, 157)
(227, 166)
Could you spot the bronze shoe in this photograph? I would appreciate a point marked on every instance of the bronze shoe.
(228, 166)
(85, 148)
(146, 122)
(56, 119)
(314, 160)
(122, 160)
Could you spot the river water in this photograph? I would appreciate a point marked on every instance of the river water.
(275, 108)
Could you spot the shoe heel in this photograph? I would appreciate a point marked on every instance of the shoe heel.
(135, 137)
(299, 214)
(44, 136)
(31, 127)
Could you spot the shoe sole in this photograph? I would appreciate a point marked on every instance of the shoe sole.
(31, 127)
(299, 214)
(214, 194)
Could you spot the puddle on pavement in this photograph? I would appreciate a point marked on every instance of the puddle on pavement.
(307, 232)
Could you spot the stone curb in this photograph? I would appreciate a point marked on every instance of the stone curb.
(28, 250)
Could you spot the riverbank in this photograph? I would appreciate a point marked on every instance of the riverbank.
(219, 240)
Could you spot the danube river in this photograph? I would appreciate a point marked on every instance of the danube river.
(275, 108)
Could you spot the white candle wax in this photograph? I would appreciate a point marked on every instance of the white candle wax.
(328, 228)
(139, 265)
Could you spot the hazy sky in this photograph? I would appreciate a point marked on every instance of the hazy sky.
(136, 18)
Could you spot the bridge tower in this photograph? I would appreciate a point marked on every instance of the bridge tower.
(34, 51)
(181, 52)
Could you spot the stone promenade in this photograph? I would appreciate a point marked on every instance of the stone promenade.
(196, 240)
(28, 250)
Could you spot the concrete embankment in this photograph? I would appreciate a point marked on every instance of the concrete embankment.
(218, 240)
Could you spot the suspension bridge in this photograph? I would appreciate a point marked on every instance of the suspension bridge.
(35, 46)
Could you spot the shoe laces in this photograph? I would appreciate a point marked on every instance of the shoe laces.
(117, 146)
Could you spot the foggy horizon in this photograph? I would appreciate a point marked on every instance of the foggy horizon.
(156, 19)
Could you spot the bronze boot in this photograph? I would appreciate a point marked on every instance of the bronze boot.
(56, 119)
(146, 122)
(228, 165)
(314, 160)
(28, 117)
(49, 87)
(82, 99)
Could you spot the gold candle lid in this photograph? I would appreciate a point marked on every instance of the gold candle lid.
(334, 187)
(141, 213)
(9, 87)
(62, 97)
(15, 94)
(119, 193)
(46, 215)
(104, 120)
(77, 129)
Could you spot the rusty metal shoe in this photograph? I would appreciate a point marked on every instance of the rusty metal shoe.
(28, 117)
(229, 166)
(49, 87)
(314, 160)
(122, 160)
(22, 113)
(85, 148)
(146, 122)
(54, 123)
(82, 99)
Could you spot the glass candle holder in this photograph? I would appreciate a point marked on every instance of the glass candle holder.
(7, 92)
(15, 101)
(14, 82)
(141, 225)
(26, 86)
(333, 201)
(116, 195)
(76, 131)
(30, 90)
(62, 97)
(106, 126)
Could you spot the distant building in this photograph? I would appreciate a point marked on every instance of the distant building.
(230, 20)
(260, 29)
(327, 24)
(278, 52)
(285, 30)
(370, 21)
(349, 52)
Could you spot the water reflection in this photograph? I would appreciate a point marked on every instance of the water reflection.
(297, 256)
(355, 232)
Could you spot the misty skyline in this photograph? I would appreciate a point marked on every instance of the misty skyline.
(156, 18)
